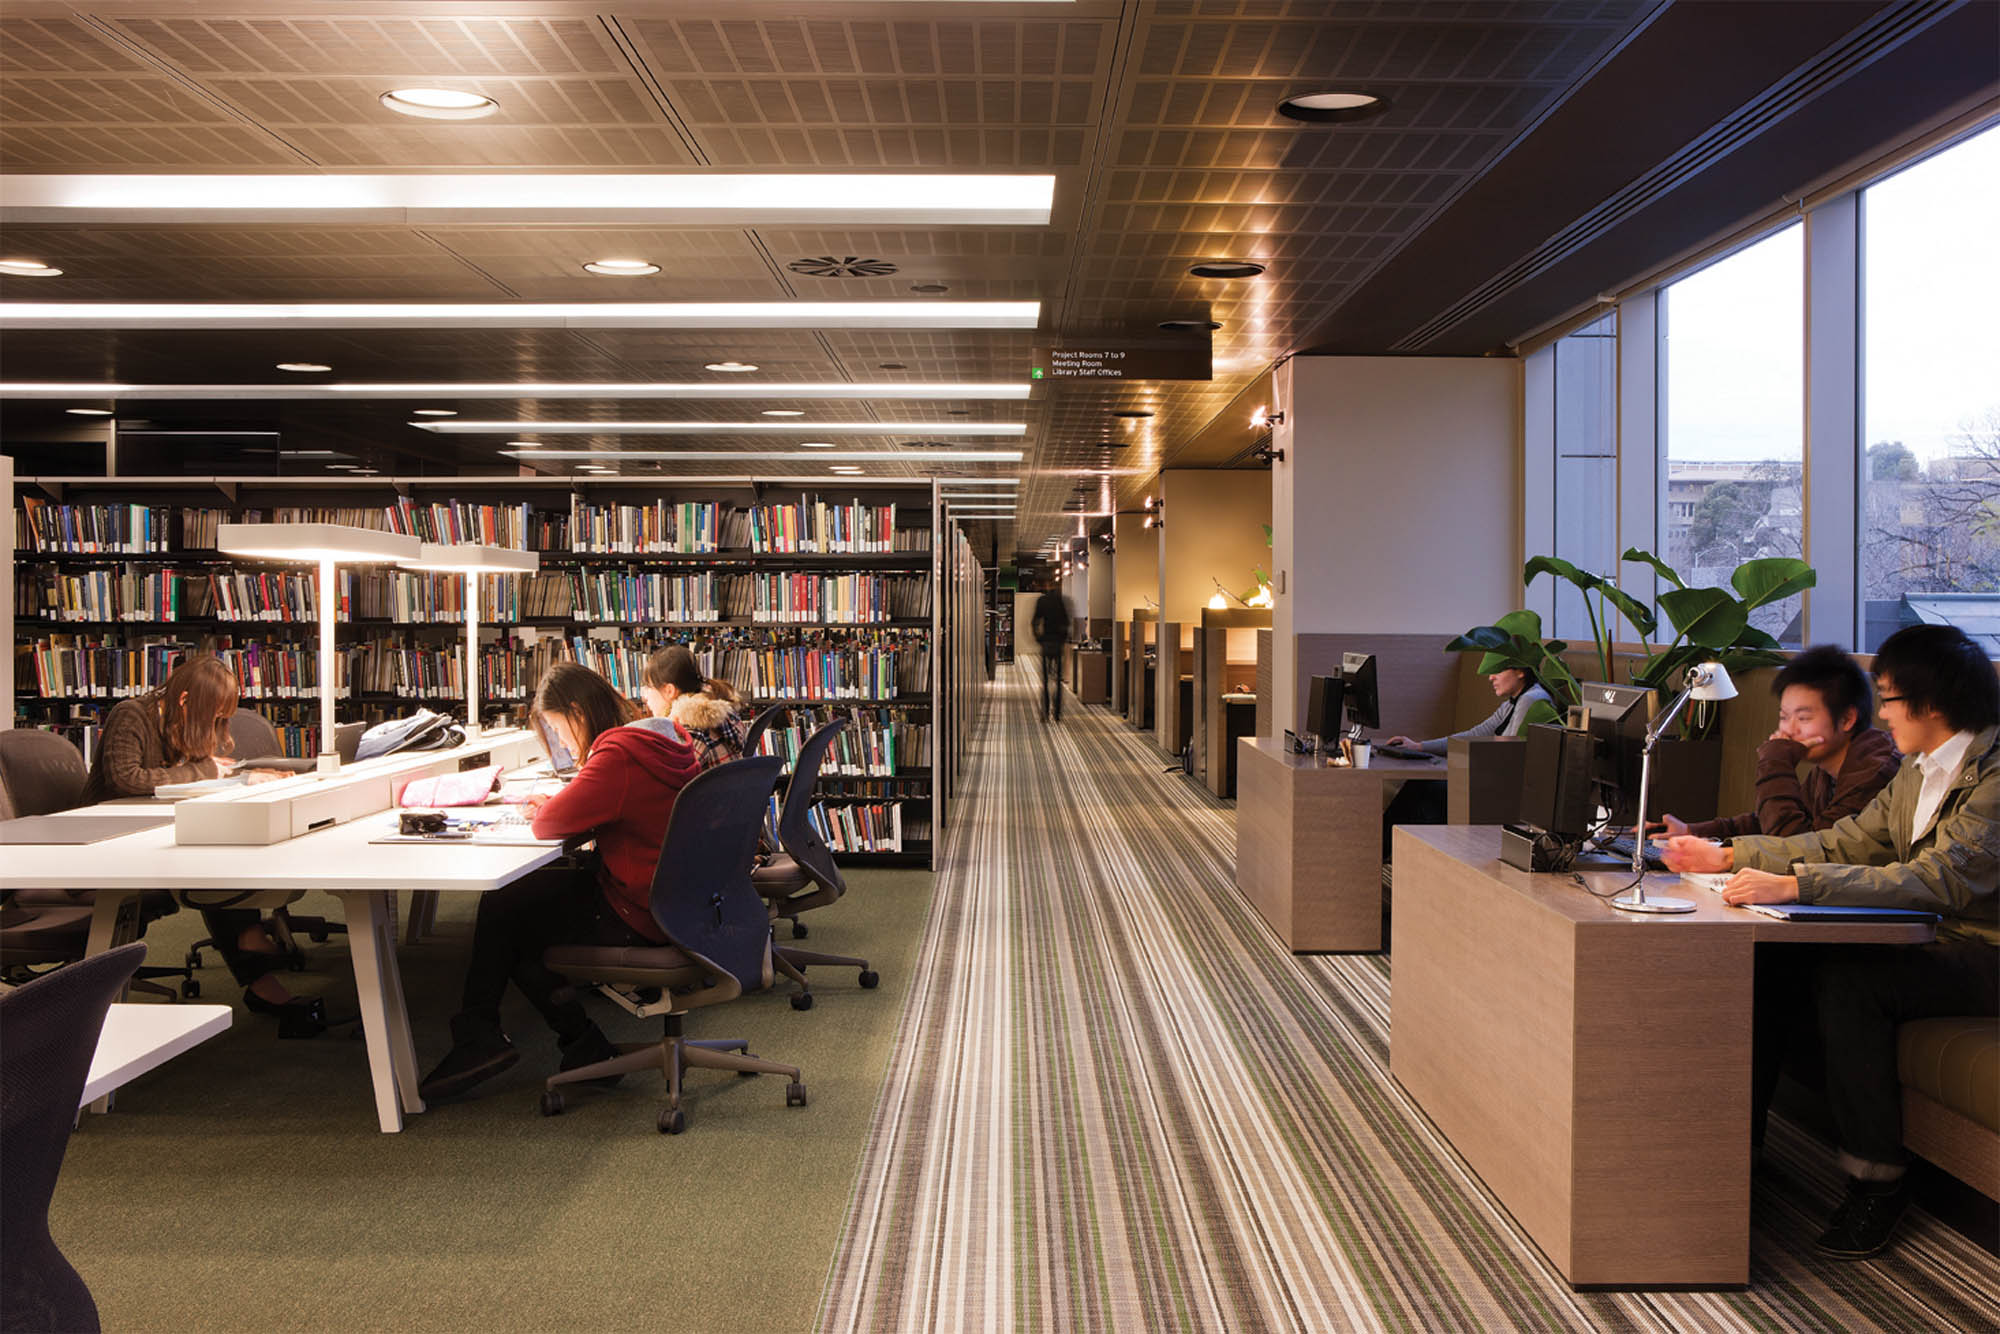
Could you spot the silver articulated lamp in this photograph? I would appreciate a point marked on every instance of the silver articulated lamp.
(1706, 680)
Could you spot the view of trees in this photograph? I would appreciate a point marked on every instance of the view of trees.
(1934, 529)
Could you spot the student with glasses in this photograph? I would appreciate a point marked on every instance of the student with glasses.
(1930, 840)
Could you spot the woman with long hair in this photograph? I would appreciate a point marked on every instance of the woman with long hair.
(706, 708)
(179, 733)
(622, 795)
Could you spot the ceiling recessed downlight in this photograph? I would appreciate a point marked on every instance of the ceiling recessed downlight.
(1226, 268)
(784, 412)
(929, 288)
(435, 412)
(622, 268)
(891, 366)
(303, 367)
(1329, 108)
(439, 103)
(88, 412)
(28, 268)
(730, 367)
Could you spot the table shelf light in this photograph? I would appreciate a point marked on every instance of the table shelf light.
(472, 560)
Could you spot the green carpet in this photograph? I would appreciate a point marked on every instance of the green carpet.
(245, 1186)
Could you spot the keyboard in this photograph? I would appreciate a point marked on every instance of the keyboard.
(1621, 848)
(1404, 753)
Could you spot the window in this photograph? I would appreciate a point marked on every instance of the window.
(1586, 479)
(1930, 479)
(1732, 365)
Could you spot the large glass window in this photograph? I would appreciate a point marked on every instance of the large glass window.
(1586, 430)
(1930, 473)
(1732, 365)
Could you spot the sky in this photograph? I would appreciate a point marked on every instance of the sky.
(1931, 326)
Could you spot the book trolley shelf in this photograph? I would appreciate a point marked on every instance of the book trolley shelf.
(822, 598)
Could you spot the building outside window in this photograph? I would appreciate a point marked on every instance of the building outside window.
(1732, 368)
(1930, 479)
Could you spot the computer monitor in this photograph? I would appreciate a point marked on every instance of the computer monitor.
(1323, 704)
(1618, 718)
(1364, 705)
(1556, 781)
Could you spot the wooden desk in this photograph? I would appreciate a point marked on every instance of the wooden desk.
(340, 860)
(1592, 1066)
(1238, 719)
(1309, 843)
(138, 1038)
(1093, 676)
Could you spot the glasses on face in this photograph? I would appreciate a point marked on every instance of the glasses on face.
(1890, 699)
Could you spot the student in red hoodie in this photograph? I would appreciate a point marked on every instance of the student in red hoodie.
(622, 795)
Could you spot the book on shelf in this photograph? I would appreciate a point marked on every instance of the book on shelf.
(54, 526)
(692, 527)
(819, 526)
(874, 826)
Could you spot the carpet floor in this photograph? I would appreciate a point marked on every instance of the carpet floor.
(1118, 1103)
(245, 1186)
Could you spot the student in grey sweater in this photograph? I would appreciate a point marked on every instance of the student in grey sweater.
(1516, 689)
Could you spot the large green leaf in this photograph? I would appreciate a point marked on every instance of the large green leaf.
(1479, 638)
(1664, 570)
(1541, 711)
(1775, 577)
(1561, 569)
(1705, 616)
(1753, 638)
(1634, 611)
(1523, 624)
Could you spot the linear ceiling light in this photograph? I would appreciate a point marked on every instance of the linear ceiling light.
(706, 389)
(979, 481)
(524, 315)
(838, 456)
(720, 428)
(659, 199)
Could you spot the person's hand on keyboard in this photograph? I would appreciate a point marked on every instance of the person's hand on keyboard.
(1668, 826)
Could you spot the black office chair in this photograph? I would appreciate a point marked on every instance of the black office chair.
(719, 941)
(803, 877)
(754, 733)
(42, 773)
(52, 1026)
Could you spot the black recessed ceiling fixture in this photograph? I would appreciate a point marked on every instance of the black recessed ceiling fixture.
(1189, 326)
(891, 366)
(852, 266)
(929, 287)
(1332, 108)
(1226, 268)
(1131, 413)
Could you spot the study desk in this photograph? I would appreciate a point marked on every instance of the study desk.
(138, 1038)
(1591, 1065)
(1309, 842)
(365, 878)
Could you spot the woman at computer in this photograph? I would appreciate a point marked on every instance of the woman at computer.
(622, 796)
(179, 733)
(1517, 691)
(702, 707)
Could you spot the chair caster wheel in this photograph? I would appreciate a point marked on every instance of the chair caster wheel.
(317, 937)
(194, 958)
(795, 1094)
(799, 931)
(190, 989)
(552, 1103)
(673, 1121)
(870, 979)
(296, 963)
(802, 1001)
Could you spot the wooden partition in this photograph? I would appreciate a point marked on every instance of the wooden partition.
(1121, 677)
(1218, 672)
(1173, 690)
(1139, 673)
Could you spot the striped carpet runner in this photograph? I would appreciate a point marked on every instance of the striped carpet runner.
(1117, 1103)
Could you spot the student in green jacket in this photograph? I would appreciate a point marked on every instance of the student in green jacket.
(1930, 840)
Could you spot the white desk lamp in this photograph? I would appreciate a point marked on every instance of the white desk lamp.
(1707, 680)
(329, 544)
(472, 560)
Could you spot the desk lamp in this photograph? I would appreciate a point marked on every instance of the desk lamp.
(329, 544)
(472, 560)
(1707, 680)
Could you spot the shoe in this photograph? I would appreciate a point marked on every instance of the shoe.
(588, 1048)
(1865, 1223)
(299, 1017)
(479, 1051)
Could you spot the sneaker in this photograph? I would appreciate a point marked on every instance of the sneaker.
(1866, 1221)
(479, 1051)
(588, 1048)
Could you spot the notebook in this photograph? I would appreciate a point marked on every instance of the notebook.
(1827, 912)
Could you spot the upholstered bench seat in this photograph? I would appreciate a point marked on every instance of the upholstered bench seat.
(1950, 1071)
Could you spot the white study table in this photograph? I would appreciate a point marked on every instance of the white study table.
(340, 860)
(138, 1038)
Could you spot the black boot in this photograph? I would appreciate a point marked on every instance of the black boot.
(479, 1051)
(1865, 1223)
(588, 1048)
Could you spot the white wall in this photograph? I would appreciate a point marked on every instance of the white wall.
(1214, 530)
(1103, 582)
(1136, 571)
(1397, 508)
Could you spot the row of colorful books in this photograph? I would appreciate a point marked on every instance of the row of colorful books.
(876, 743)
(874, 826)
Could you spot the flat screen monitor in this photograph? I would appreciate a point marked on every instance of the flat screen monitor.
(1323, 702)
(1618, 718)
(1364, 705)
(1556, 781)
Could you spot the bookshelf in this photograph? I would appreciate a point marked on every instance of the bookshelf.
(819, 597)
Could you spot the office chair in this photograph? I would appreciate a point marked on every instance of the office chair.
(754, 733)
(251, 736)
(803, 876)
(719, 941)
(52, 1026)
(41, 773)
